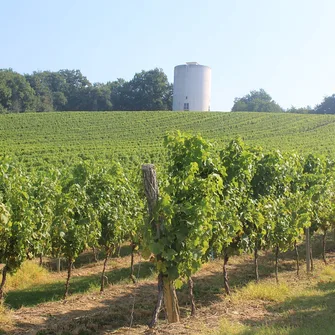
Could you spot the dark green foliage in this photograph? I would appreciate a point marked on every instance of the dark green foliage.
(16, 94)
(256, 101)
(71, 90)
(327, 106)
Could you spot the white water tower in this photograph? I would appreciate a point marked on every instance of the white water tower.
(192, 87)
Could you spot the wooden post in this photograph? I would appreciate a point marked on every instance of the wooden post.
(308, 252)
(297, 257)
(151, 192)
(164, 284)
(58, 264)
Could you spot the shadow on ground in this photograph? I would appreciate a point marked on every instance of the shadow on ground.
(308, 312)
(54, 291)
(302, 315)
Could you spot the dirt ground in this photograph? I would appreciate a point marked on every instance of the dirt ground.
(126, 308)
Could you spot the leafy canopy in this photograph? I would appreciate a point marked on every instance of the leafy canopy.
(256, 101)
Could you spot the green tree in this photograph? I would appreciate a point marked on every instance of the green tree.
(16, 94)
(327, 106)
(300, 110)
(256, 101)
(148, 90)
(95, 98)
(39, 82)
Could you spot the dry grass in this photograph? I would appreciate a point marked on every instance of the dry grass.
(266, 291)
(28, 275)
(328, 273)
(6, 321)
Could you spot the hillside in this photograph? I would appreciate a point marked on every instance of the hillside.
(138, 135)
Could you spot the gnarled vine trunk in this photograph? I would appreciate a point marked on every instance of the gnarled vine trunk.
(225, 273)
(158, 306)
(324, 239)
(308, 251)
(3, 282)
(69, 272)
(256, 264)
(297, 257)
(190, 290)
(95, 254)
(103, 276)
(132, 276)
(276, 264)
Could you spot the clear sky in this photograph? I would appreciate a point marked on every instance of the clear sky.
(286, 47)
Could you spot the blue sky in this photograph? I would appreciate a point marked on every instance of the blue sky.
(284, 46)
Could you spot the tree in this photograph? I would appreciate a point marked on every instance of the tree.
(256, 101)
(95, 98)
(300, 110)
(16, 94)
(117, 93)
(38, 81)
(327, 106)
(148, 90)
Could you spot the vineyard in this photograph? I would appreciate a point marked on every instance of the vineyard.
(135, 137)
(77, 183)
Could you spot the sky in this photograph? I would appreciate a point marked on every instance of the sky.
(286, 47)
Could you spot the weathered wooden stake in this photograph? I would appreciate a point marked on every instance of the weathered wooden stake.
(276, 264)
(256, 264)
(165, 285)
(297, 257)
(308, 252)
(324, 239)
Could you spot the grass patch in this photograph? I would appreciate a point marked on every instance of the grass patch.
(53, 290)
(228, 327)
(231, 328)
(327, 273)
(263, 291)
(5, 319)
(302, 307)
(29, 274)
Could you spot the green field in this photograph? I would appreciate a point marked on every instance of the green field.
(138, 135)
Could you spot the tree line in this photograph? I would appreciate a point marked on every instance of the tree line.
(261, 101)
(70, 90)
